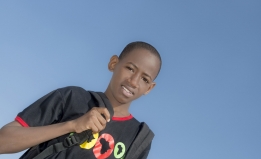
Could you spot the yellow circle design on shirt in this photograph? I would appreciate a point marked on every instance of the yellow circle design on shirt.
(89, 145)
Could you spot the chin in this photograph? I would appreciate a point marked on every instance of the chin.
(123, 100)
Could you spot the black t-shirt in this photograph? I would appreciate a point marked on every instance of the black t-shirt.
(70, 103)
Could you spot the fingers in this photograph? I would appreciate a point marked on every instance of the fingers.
(105, 113)
(97, 126)
(95, 119)
(99, 118)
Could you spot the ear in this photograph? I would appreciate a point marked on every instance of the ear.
(152, 85)
(112, 63)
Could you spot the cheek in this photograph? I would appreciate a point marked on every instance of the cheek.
(144, 87)
(124, 74)
(118, 76)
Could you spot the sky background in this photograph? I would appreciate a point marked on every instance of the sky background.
(207, 101)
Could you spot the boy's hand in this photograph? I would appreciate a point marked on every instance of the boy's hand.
(93, 120)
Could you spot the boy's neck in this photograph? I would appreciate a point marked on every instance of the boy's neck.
(120, 109)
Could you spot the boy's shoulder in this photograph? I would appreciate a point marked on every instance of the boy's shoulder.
(71, 88)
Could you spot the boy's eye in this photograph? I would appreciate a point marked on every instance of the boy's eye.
(129, 68)
(145, 80)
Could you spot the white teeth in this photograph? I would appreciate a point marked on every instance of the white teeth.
(126, 90)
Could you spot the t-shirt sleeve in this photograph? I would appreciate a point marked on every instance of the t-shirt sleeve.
(44, 111)
(60, 105)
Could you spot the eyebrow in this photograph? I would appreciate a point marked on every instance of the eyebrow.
(137, 68)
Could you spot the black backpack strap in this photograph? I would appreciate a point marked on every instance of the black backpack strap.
(103, 101)
(141, 142)
(77, 138)
(71, 140)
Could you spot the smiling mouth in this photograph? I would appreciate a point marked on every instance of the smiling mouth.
(128, 91)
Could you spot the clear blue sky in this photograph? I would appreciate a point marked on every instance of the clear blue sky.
(207, 102)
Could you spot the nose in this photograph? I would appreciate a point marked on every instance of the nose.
(134, 81)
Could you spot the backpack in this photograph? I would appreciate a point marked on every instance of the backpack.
(141, 142)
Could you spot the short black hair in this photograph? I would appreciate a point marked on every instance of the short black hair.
(140, 45)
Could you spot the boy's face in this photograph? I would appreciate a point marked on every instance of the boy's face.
(133, 75)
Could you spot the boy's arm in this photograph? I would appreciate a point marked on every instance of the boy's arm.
(15, 138)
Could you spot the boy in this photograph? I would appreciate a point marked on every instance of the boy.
(53, 117)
